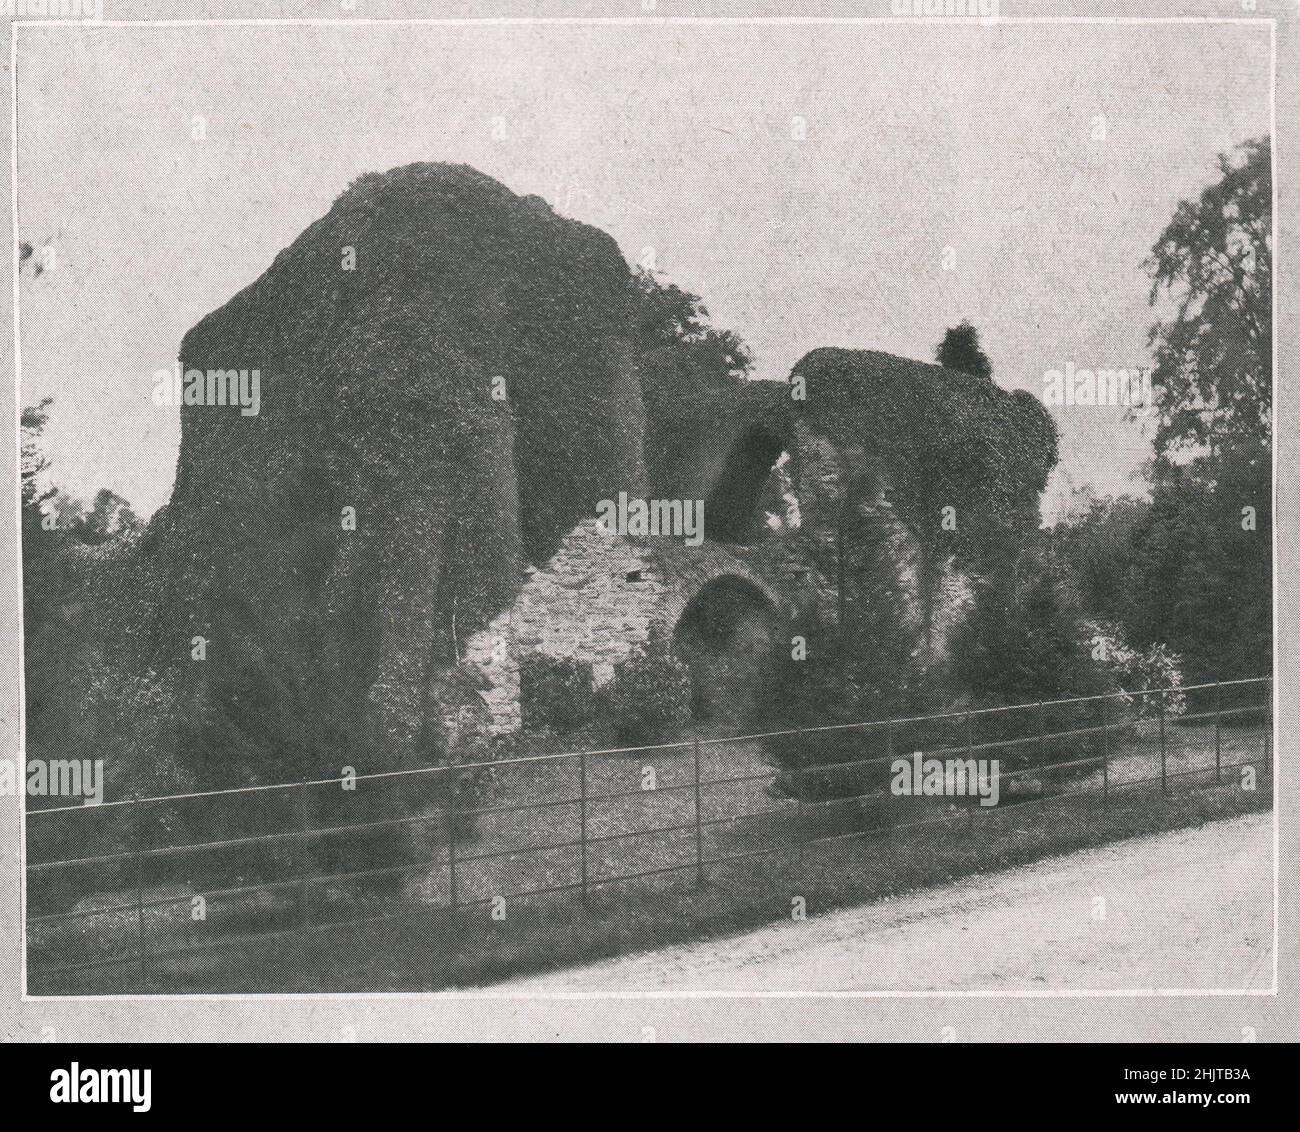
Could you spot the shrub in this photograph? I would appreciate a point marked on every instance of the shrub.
(555, 693)
(1024, 640)
(822, 691)
(1130, 669)
(650, 698)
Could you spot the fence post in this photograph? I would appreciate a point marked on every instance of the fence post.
(449, 937)
(1042, 749)
(699, 828)
(1268, 733)
(889, 760)
(452, 805)
(970, 810)
(142, 943)
(798, 798)
(1164, 776)
(304, 912)
(1105, 750)
(1218, 733)
(582, 823)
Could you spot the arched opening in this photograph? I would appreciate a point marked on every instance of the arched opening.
(725, 636)
(754, 491)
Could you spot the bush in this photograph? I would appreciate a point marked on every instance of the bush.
(822, 691)
(1025, 639)
(555, 693)
(1130, 669)
(650, 698)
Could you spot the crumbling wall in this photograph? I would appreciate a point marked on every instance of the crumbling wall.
(453, 365)
(602, 598)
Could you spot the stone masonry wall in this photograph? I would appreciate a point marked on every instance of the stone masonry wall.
(599, 599)
(602, 597)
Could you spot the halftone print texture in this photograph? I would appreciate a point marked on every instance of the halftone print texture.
(655, 505)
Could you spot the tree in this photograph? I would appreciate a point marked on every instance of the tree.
(960, 350)
(1204, 555)
(1025, 638)
(1193, 569)
(683, 364)
(1198, 566)
(666, 317)
(1214, 355)
(110, 516)
(1098, 544)
(33, 461)
(38, 497)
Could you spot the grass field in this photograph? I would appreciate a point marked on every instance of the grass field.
(829, 854)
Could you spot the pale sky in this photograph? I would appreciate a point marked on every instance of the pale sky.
(915, 139)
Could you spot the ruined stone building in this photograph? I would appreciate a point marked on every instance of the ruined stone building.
(468, 391)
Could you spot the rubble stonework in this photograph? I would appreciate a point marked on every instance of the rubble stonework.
(601, 599)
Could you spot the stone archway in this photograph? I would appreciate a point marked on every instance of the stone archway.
(726, 635)
(734, 507)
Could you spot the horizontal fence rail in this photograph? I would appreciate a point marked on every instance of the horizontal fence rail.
(790, 808)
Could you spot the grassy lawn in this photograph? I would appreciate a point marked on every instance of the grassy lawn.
(830, 854)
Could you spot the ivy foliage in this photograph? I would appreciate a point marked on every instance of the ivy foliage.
(949, 439)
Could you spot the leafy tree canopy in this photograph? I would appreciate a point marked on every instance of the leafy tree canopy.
(1213, 266)
(960, 350)
(668, 317)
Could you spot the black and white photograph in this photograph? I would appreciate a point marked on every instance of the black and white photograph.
(648, 504)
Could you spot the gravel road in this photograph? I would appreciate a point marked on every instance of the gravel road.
(1186, 910)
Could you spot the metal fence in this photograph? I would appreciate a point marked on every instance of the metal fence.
(585, 805)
